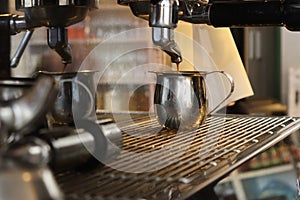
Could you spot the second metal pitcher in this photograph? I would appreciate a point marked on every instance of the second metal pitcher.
(77, 97)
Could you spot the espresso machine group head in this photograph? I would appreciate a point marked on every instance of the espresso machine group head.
(219, 13)
(163, 16)
(56, 15)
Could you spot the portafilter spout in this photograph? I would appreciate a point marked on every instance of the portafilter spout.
(164, 38)
(58, 40)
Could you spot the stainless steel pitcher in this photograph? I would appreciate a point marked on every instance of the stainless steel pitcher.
(76, 98)
(180, 98)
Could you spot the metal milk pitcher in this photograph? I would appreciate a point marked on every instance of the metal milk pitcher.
(76, 98)
(180, 98)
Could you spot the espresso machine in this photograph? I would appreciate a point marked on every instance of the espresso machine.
(27, 146)
(131, 159)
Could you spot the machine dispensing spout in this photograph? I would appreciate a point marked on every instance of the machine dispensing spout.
(164, 38)
(58, 40)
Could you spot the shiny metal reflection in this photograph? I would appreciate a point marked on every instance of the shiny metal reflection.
(22, 181)
(181, 99)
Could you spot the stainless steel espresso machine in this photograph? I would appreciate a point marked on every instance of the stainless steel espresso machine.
(132, 159)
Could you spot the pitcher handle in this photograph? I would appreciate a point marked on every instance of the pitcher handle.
(230, 79)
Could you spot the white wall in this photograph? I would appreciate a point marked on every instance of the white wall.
(290, 57)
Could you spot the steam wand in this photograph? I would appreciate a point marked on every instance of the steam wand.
(17, 57)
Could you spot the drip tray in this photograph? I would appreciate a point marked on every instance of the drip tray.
(165, 164)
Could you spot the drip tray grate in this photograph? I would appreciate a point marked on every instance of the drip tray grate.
(164, 164)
